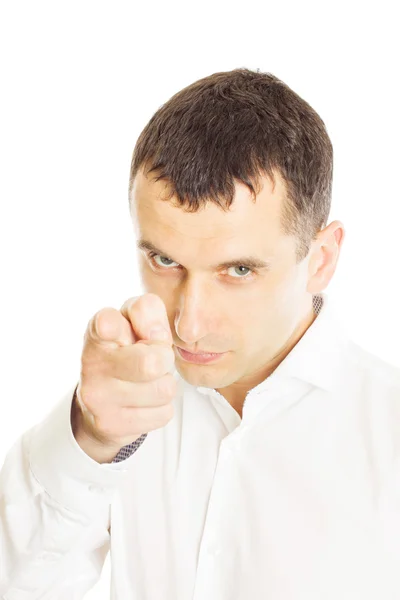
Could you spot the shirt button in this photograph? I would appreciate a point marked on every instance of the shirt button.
(214, 550)
(48, 556)
(96, 488)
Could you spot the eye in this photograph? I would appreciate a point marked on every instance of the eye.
(153, 254)
(247, 275)
(241, 267)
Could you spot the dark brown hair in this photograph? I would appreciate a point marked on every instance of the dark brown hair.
(238, 125)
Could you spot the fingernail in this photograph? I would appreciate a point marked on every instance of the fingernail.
(159, 334)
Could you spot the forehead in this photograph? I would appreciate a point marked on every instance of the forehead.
(246, 225)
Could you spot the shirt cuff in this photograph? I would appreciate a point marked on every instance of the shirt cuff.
(63, 469)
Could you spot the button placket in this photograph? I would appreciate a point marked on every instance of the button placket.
(211, 547)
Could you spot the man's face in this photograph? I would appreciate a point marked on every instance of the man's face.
(249, 315)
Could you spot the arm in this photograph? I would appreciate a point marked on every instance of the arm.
(54, 512)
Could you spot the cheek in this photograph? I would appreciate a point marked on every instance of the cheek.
(268, 317)
(151, 282)
(286, 293)
(157, 285)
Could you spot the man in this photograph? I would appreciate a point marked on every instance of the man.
(253, 452)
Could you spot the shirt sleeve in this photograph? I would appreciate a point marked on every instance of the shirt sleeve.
(54, 512)
(127, 451)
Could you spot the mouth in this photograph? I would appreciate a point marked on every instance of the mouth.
(199, 357)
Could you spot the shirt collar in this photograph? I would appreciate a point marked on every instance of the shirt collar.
(317, 358)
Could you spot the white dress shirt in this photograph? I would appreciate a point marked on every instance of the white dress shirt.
(297, 500)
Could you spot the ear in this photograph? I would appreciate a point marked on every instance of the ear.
(324, 256)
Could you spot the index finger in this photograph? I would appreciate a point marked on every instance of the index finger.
(108, 328)
(145, 313)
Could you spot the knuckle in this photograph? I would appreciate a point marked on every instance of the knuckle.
(150, 365)
(168, 411)
(152, 301)
(167, 386)
(131, 308)
(88, 362)
(168, 358)
(128, 303)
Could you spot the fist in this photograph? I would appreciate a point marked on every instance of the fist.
(126, 387)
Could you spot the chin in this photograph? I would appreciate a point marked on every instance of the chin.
(199, 376)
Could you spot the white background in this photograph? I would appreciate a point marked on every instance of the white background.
(79, 81)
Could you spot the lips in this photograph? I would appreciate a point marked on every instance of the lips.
(199, 358)
(199, 353)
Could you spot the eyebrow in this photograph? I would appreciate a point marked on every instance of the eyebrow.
(245, 261)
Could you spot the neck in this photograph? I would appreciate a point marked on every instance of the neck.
(236, 393)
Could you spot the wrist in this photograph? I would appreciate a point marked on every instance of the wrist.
(96, 449)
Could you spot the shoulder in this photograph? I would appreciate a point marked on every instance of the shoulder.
(373, 369)
(376, 386)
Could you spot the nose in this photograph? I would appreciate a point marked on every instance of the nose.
(193, 314)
